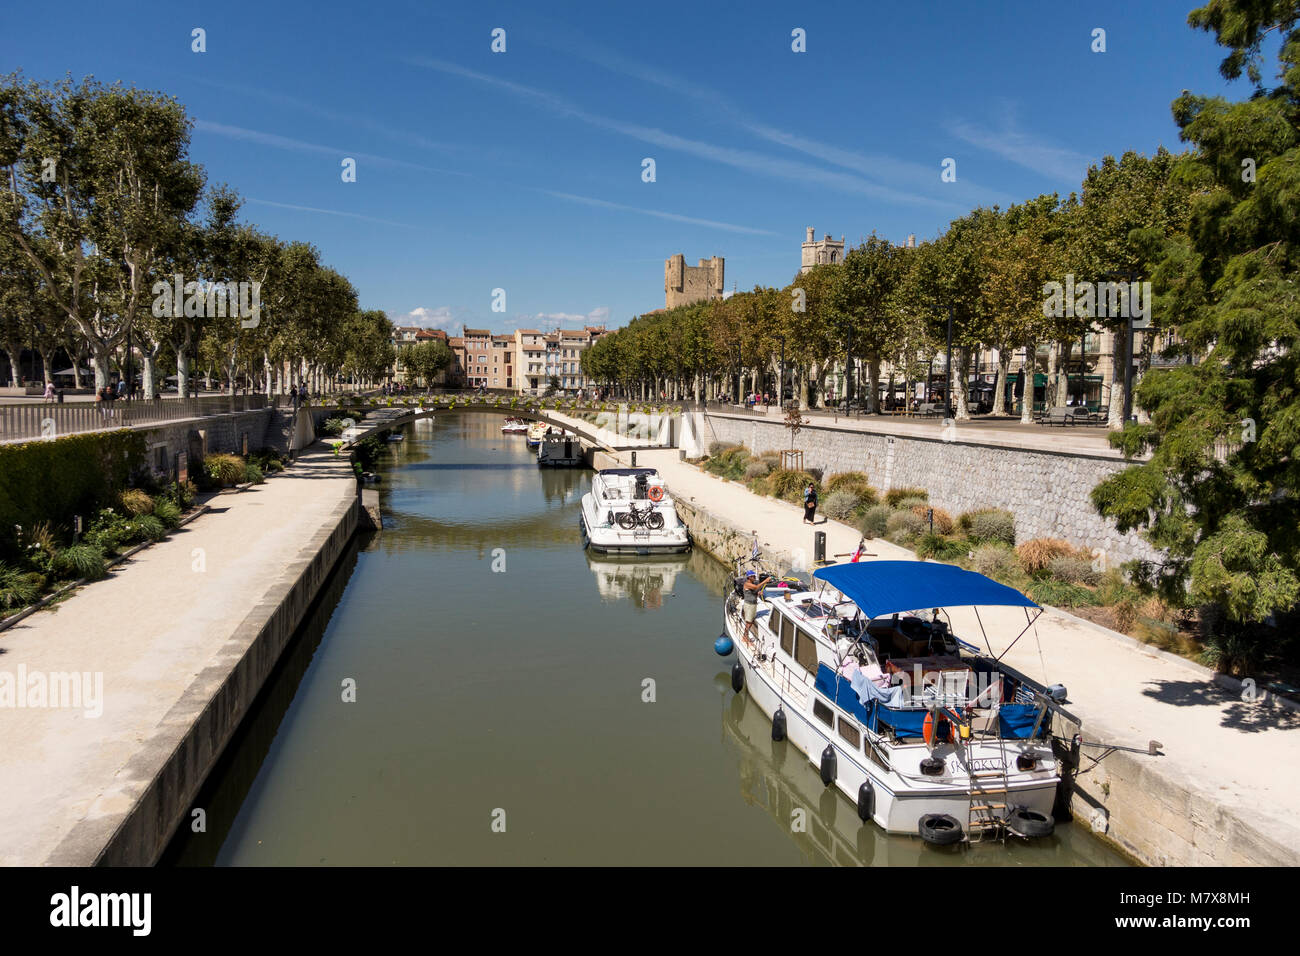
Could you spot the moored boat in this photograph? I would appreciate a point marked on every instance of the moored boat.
(629, 511)
(514, 426)
(535, 433)
(923, 732)
(560, 450)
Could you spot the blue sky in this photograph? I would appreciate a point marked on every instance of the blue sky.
(522, 170)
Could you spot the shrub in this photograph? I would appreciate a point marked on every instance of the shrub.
(1125, 614)
(168, 512)
(995, 561)
(855, 482)
(896, 496)
(268, 459)
(109, 531)
(942, 520)
(717, 448)
(254, 474)
(1060, 593)
(759, 486)
(757, 469)
(1037, 554)
(136, 502)
(1114, 588)
(1073, 570)
(840, 505)
(224, 469)
(817, 474)
(81, 561)
(940, 547)
(988, 525)
(875, 521)
(149, 528)
(19, 588)
(903, 526)
(333, 426)
(789, 485)
(1232, 654)
(730, 464)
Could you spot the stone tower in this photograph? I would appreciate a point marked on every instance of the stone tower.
(818, 252)
(685, 284)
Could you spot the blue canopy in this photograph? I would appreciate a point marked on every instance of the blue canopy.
(889, 587)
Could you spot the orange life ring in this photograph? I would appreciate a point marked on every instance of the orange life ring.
(928, 727)
(656, 493)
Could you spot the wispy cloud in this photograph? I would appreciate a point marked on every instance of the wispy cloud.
(1009, 141)
(276, 141)
(333, 212)
(748, 160)
(659, 214)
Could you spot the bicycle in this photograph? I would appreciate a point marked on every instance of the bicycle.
(636, 517)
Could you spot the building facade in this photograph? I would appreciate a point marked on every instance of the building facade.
(820, 252)
(685, 284)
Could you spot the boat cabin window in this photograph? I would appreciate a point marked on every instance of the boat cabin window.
(823, 713)
(805, 652)
(774, 622)
(787, 636)
(849, 732)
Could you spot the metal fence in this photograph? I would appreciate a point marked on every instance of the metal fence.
(28, 420)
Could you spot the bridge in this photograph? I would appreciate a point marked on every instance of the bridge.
(608, 426)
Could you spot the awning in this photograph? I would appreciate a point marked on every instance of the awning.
(890, 587)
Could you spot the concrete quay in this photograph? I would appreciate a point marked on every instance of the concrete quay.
(181, 638)
(1223, 789)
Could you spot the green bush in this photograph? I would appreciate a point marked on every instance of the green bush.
(81, 561)
(717, 448)
(757, 469)
(333, 426)
(149, 528)
(110, 532)
(223, 470)
(168, 512)
(875, 521)
(841, 505)
(789, 485)
(56, 480)
(1060, 593)
(992, 525)
(895, 497)
(19, 588)
(1073, 569)
(855, 482)
(136, 502)
(268, 459)
(903, 526)
(995, 561)
(941, 547)
(254, 474)
(731, 464)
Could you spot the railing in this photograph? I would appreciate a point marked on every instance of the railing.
(31, 420)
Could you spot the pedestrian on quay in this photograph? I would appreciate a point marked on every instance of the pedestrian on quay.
(49, 391)
(810, 504)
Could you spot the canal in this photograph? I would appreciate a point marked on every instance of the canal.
(473, 688)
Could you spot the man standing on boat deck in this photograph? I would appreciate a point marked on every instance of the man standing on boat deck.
(750, 607)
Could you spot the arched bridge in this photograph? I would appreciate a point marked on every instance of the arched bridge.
(615, 427)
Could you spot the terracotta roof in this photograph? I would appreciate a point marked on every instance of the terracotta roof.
(477, 333)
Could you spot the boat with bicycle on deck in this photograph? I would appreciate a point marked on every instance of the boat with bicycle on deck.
(629, 511)
(536, 432)
(864, 672)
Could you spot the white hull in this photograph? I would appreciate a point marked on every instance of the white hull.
(899, 804)
(603, 538)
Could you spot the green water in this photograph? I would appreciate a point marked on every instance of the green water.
(501, 714)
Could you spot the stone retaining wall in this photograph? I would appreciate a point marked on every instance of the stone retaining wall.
(1046, 491)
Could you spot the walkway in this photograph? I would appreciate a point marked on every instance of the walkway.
(148, 631)
(1241, 756)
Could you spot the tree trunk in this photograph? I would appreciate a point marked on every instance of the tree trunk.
(149, 372)
(959, 386)
(1030, 367)
(1063, 373)
(873, 382)
(1119, 348)
(1004, 373)
(101, 360)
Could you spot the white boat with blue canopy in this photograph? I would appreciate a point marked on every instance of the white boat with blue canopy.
(926, 732)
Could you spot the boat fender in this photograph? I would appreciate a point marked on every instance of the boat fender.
(932, 766)
(737, 677)
(939, 829)
(723, 646)
(828, 765)
(778, 725)
(866, 801)
(1030, 823)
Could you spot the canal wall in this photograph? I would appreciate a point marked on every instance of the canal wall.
(1154, 811)
(1046, 490)
(189, 740)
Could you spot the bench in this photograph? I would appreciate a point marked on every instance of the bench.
(1067, 415)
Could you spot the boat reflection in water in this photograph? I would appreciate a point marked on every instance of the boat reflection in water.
(643, 582)
(777, 778)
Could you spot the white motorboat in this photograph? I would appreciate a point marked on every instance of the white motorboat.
(560, 450)
(629, 511)
(535, 433)
(923, 732)
(514, 426)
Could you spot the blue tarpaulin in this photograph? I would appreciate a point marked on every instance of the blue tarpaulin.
(890, 587)
(1016, 721)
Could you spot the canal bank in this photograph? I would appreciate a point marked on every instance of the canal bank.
(179, 640)
(1223, 790)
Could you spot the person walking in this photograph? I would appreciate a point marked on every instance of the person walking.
(49, 391)
(810, 504)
